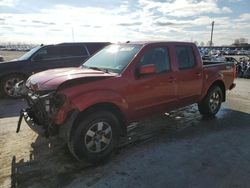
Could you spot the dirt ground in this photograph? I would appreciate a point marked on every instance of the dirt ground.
(10, 55)
(178, 149)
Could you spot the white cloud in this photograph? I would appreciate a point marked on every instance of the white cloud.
(244, 18)
(226, 10)
(8, 3)
(54, 24)
(184, 8)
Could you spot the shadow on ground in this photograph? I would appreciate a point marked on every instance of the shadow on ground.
(11, 107)
(51, 165)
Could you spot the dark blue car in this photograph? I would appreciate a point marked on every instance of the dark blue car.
(41, 58)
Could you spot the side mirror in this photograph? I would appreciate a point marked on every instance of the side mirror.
(147, 69)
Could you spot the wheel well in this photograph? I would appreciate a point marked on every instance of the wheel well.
(222, 86)
(109, 107)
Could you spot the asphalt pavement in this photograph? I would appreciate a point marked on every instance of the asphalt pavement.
(177, 149)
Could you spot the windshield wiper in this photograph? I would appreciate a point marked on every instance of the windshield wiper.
(96, 68)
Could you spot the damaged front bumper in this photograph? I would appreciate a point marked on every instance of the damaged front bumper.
(41, 111)
(24, 114)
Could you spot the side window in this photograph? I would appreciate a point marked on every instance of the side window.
(71, 51)
(47, 53)
(157, 56)
(185, 57)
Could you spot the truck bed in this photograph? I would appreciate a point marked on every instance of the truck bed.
(215, 63)
(214, 69)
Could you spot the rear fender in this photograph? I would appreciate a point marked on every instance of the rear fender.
(211, 83)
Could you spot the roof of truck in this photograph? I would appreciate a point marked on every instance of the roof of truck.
(157, 42)
(81, 43)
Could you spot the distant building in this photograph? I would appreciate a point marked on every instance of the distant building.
(241, 45)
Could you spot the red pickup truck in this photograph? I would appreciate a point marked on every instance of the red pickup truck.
(91, 106)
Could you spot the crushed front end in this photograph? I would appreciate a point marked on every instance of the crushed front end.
(42, 112)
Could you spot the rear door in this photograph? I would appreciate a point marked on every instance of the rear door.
(189, 74)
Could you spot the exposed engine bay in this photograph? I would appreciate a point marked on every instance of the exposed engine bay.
(41, 111)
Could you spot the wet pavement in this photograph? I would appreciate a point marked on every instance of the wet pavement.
(177, 149)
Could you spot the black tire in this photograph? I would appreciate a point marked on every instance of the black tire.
(211, 104)
(82, 137)
(7, 85)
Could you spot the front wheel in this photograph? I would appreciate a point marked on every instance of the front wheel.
(95, 137)
(211, 104)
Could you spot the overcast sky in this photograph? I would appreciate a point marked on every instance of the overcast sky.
(48, 21)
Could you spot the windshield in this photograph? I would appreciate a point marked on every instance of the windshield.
(29, 53)
(113, 58)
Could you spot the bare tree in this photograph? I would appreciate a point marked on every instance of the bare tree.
(243, 40)
(236, 41)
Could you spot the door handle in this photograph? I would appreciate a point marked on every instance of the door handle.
(171, 79)
(198, 73)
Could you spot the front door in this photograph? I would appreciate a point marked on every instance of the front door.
(153, 93)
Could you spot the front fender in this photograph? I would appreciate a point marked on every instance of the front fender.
(91, 98)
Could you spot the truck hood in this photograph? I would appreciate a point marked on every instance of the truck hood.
(10, 65)
(52, 79)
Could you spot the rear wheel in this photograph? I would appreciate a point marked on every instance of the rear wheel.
(211, 104)
(95, 137)
(8, 83)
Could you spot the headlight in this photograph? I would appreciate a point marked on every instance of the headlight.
(53, 102)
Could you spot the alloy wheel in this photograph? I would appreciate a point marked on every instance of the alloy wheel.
(98, 137)
(9, 86)
(214, 101)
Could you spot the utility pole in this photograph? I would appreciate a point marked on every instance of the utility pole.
(212, 32)
(73, 35)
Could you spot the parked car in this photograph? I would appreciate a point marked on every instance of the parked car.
(41, 58)
(1, 58)
(247, 73)
(91, 106)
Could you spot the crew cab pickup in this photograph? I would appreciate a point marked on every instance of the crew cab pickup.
(91, 106)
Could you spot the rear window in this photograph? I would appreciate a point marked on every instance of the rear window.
(57, 52)
(185, 57)
(69, 51)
